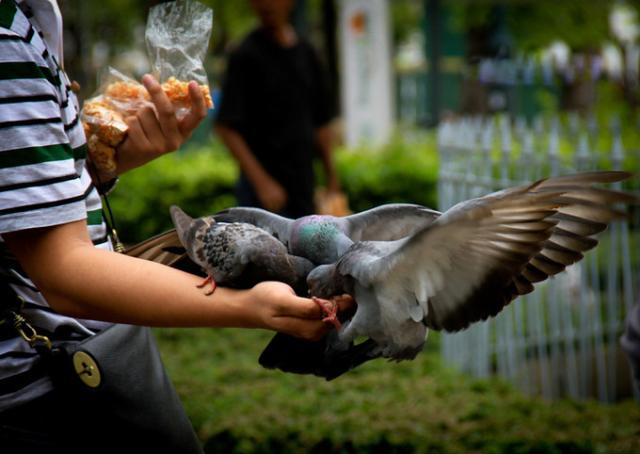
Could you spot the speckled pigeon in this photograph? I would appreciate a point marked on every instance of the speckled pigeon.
(238, 255)
(323, 239)
(465, 267)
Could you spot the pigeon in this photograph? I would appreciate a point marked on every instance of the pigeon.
(323, 238)
(237, 255)
(462, 268)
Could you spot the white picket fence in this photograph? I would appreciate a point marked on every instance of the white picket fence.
(562, 340)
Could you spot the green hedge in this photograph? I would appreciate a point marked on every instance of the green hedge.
(201, 180)
(404, 171)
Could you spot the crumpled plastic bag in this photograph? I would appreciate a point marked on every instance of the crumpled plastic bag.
(177, 38)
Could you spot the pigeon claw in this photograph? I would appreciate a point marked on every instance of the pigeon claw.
(330, 310)
(211, 281)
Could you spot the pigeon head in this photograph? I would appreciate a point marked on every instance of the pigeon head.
(324, 281)
(319, 238)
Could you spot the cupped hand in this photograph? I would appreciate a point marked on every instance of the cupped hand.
(155, 130)
(278, 308)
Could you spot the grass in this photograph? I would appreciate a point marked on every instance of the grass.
(416, 406)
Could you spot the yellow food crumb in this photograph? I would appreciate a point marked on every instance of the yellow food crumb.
(178, 92)
(102, 155)
(124, 90)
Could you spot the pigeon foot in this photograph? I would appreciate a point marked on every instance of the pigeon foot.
(208, 280)
(330, 309)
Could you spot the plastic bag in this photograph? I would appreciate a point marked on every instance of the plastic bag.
(177, 37)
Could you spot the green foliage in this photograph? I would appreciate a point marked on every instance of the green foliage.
(231, 21)
(200, 182)
(114, 20)
(406, 18)
(417, 406)
(536, 23)
(404, 171)
(582, 25)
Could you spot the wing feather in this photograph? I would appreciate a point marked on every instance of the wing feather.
(276, 225)
(482, 253)
(388, 222)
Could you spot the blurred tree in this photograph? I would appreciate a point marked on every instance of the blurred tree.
(108, 24)
(406, 18)
(231, 21)
(534, 24)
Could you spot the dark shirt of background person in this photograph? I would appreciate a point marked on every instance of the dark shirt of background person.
(276, 97)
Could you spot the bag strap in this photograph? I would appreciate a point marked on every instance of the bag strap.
(10, 318)
(104, 189)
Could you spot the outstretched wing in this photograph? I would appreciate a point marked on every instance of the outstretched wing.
(388, 222)
(276, 225)
(482, 253)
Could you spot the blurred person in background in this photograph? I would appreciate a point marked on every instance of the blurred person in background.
(274, 115)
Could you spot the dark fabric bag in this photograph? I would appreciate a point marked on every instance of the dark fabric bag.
(114, 384)
(119, 373)
(115, 379)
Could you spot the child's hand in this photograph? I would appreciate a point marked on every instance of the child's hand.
(154, 131)
(277, 307)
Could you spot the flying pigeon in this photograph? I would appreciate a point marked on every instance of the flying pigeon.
(323, 238)
(464, 267)
(237, 255)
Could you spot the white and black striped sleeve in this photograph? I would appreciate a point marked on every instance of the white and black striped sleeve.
(39, 168)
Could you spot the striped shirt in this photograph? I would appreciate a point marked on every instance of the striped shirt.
(43, 178)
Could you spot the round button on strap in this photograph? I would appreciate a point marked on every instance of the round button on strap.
(87, 369)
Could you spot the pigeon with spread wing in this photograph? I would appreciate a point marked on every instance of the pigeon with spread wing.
(411, 269)
(464, 267)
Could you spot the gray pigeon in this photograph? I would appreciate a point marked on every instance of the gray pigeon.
(238, 255)
(323, 239)
(466, 266)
